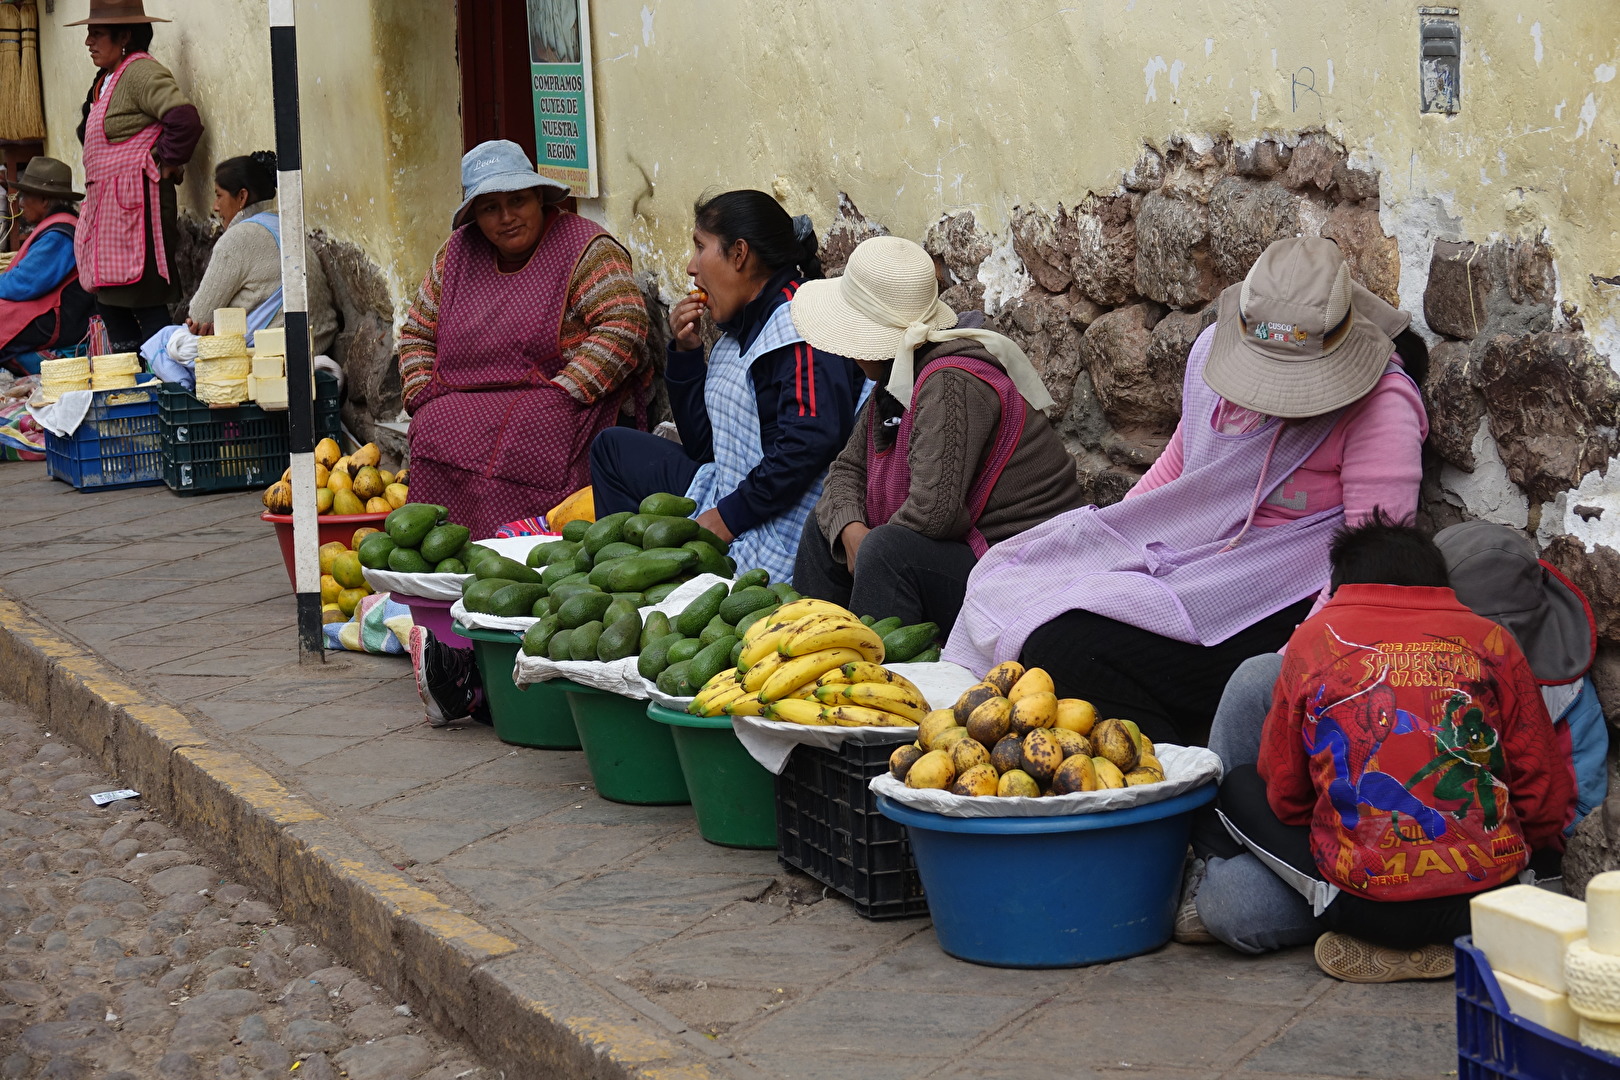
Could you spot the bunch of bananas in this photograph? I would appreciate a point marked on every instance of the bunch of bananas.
(1011, 735)
(811, 662)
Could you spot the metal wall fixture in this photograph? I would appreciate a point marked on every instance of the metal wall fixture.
(1439, 60)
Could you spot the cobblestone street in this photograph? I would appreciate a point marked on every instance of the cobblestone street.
(126, 957)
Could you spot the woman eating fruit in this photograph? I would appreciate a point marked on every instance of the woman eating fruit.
(764, 414)
(528, 337)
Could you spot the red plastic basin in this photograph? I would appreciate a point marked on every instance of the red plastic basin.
(332, 527)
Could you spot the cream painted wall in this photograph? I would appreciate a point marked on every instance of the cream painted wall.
(917, 109)
(379, 88)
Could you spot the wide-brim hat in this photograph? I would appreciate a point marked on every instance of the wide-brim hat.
(499, 165)
(1494, 570)
(887, 274)
(1290, 340)
(117, 13)
(47, 178)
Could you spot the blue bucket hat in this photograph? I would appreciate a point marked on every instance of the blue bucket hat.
(498, 165)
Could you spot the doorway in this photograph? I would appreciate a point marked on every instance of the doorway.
(497, 101)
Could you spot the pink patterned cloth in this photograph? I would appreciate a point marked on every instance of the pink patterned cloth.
(120, 186)
(888, 472)
(493, 438)
(1182, 561)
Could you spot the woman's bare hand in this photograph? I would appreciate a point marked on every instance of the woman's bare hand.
(686, 321)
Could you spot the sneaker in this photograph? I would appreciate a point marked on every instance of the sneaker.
(446, 677)
(1350, 959)
(1190, 928)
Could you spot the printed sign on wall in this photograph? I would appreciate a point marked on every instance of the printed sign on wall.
(564, 112)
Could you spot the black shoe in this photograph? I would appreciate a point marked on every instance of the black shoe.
(446, 678)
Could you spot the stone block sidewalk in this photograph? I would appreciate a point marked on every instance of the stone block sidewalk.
(619, 927)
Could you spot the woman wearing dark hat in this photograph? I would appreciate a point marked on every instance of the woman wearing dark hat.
(1297, 417)
(41, 302)
(139, 131)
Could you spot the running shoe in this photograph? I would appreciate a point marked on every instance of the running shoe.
(446, 678)
(1350, 959)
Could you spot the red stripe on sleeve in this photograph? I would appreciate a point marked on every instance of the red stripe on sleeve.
(810, 373)
(798, 375)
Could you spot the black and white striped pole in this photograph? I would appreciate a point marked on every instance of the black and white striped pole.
(295, 306)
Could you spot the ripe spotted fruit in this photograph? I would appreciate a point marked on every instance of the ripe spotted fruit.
(1070, 742)
(1108, 774)
(378, 506)
(327, 452)
(1037, 710)
(948, 738)
(329, 589)
(1004, 675)
(360, 535)
(1041, 755)
(368, 454)
(932, 770)
(397, 495)
(1007, 753)
(348, 572)
(972, 698)
(368, 483)
(1077, 715)
(347, 502)
(324, 498)
(1113, 740)
(1077, 773)
(903, 758)
(990, 720)
(1139, 776)
(1017, 783)
(338, 480)
(1034, 681)
(349, 599)
(932, 725)
(329, 554)
(979, 780)
(966, 754)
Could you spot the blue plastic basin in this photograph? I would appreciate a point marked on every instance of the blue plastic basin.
(1049, 892)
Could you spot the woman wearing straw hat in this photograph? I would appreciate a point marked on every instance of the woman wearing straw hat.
(953, 452)
(1297, 417)
(41, 302)
(139, 131)
(763, 415)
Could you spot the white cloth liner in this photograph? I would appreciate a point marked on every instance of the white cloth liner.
(770, 742)
(1185, 768)
(63, 416)
(448, 586)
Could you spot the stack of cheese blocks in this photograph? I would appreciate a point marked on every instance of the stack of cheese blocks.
(114, 371)
(222, 360)
(1557, 959)
(267, 382)
(58, 377)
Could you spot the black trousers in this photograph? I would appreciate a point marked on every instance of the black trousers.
(1399, 924)
(628, 465)
(129, 328)
(1170, 688)
(898, 572)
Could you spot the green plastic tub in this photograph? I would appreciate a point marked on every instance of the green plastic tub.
(733, 796)
(539, 716)
(631, 758)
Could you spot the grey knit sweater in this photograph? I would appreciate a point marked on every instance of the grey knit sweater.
(245, 270)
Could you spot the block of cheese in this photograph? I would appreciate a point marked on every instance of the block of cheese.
(1524, 931)
(219, 346)
(1539, 1005)
(1603, 913)
(269, 367)
(229, 321)
(271, 341)
(1600, 1036)
(116, 364)
(1592, 981)
(98, 381)
(225, 392)
(271, 393)
(66, 368)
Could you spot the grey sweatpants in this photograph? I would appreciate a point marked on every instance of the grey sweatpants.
(898, 572)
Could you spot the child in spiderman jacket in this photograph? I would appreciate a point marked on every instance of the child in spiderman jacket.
(1408, 762)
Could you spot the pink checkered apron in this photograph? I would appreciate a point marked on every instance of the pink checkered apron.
(121, 199)
(493, 439)
(888, 474)
(1163, 561)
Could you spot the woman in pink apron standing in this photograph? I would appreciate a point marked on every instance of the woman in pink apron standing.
(952, 453)
(139, 131)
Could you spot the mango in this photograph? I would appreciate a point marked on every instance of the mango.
(1041, 756)
(1007, 753)
(322, 474)
(327, 452)
(337, 480)
(948, 738)
(329, 554)
(349, 599)
(1004, 675)
(1108, 774)
(1037, 710)
(347, 571)
(329, 589)
(324, 497)
(360, 535)
(378, 506)
(368, 483)
(1112, 740)
(396, 494)
(1016, 783)
(1070, 742)
(990, 721)
(344, 464)
(972, 698)
(1139, 776)
(1076, 714)
(932, 770)
(1150, 761)
(903, 758)
(346, 503)
(1034, 681)
(368, 454)
(968, 753)
(387, 477)
(935, 722)
(980, 780)
(1077, 773)
(277, 497)
(331, 613)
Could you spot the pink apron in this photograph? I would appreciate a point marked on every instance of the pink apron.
(888, 474)
(17, 315)
(120, 188)
(492, 437)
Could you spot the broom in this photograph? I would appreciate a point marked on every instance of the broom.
(10, 62)
(30, 105)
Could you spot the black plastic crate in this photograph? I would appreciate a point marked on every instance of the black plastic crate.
(207, 449)
(118, 444)
(828, 825)
(1493, 1043)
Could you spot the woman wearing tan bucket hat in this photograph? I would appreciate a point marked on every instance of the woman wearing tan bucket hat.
(952, 453)
(1297, 417)
(139, 130)
(41, 302)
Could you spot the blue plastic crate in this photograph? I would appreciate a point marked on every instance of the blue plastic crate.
(119, 443)
(1494, 1044)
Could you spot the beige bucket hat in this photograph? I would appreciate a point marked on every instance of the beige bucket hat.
(886, 305)
(1291, 339)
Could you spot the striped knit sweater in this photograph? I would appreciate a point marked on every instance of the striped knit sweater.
(604, 329)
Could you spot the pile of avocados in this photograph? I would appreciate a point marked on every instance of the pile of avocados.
(417, 538)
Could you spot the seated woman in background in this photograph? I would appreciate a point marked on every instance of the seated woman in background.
(41, 302)
(244, 270)
(951, 454)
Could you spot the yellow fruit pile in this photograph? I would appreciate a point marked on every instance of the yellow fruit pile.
(1011, 735)
(811, 662)
(345, 485)
(343, 581)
